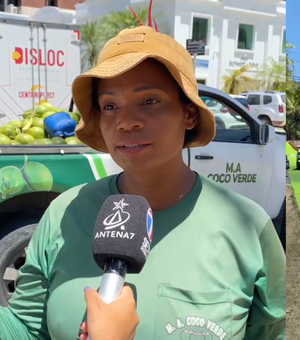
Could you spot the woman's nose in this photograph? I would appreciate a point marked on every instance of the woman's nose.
(129, 120)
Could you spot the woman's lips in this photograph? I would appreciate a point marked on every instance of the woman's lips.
(132, 148)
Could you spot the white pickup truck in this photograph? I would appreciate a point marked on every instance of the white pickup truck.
(246, 156)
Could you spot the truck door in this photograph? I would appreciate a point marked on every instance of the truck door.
(232, 158)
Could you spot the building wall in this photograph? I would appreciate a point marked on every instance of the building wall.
(67, 4)
(221, 54)
(29, 7)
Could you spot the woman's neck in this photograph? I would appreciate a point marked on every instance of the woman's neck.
(162, 189)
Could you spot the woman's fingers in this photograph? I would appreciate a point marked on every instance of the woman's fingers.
(93, 303)
(83, 336)
(84, 327)
(126, 293)
(84, 330)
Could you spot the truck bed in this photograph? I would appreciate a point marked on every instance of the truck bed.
(47, 149)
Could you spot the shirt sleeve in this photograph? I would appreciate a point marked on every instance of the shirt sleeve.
(25, 318)
(267, 315)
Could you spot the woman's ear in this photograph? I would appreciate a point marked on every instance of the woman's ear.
(192, 116)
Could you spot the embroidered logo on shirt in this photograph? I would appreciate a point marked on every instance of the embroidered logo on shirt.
(186, 329)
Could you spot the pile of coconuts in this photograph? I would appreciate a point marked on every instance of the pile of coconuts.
(30, 130)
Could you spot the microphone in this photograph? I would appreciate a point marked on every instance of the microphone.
(122, 236)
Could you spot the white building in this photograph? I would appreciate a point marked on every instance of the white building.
(235, 32)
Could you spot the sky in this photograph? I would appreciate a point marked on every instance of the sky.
(293, 32)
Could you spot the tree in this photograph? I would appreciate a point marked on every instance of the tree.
(273, 75)
(293, 99)
(114, 22)
(237, 81)
(95, 33)
(91, 42)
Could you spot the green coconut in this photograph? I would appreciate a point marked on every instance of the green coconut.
(43, 108)
(24, 138)
(36, 132)
(11, 181)
(58, 140)
(16, 123)
(73, 141)
(37, 176)
(44, 141)
(38, 122)
(4, 140)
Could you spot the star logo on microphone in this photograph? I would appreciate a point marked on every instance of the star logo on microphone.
(118, 218)
(120, 205)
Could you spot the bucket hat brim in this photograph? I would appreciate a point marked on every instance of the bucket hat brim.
(88, 130)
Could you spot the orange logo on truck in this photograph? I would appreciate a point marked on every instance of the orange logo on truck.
(18, 55)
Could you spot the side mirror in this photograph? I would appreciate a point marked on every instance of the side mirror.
(264, 134)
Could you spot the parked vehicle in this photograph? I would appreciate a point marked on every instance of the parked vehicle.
(269, 106)
(246, 160)
(298, 160)
(242, 99)
(223, 115)
(38, 63)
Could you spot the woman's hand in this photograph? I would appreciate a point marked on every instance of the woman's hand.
(117, 320)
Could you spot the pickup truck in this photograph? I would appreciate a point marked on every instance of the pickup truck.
(246, 155)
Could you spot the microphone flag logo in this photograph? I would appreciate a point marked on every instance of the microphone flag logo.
(150, 224)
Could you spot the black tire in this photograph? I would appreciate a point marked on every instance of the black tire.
(12, 254)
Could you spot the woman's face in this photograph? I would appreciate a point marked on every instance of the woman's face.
(142, 119)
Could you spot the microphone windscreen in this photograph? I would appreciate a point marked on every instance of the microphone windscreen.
(124, 230)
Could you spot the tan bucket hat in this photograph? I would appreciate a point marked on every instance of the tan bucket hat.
(122, 53)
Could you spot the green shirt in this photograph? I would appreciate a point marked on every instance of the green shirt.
(216, 270)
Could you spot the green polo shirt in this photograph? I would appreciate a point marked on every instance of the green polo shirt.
(216, 270)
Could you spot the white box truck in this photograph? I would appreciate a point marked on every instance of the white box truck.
(38, 62)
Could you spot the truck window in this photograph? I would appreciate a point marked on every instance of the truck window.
(231, 126)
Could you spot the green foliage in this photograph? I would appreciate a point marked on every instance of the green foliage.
(237, 81)
(95, 33)
(293, 99)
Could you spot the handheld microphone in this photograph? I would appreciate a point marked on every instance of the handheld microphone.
(122, 238)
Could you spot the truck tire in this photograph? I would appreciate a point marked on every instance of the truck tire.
(12, 257)
(266, 120)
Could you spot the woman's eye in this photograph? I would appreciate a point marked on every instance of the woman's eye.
(109, 107)
(150, 101)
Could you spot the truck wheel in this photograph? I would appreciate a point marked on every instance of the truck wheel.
(13, 249)
(266, 120)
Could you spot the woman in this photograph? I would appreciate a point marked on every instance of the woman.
(216, 269)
